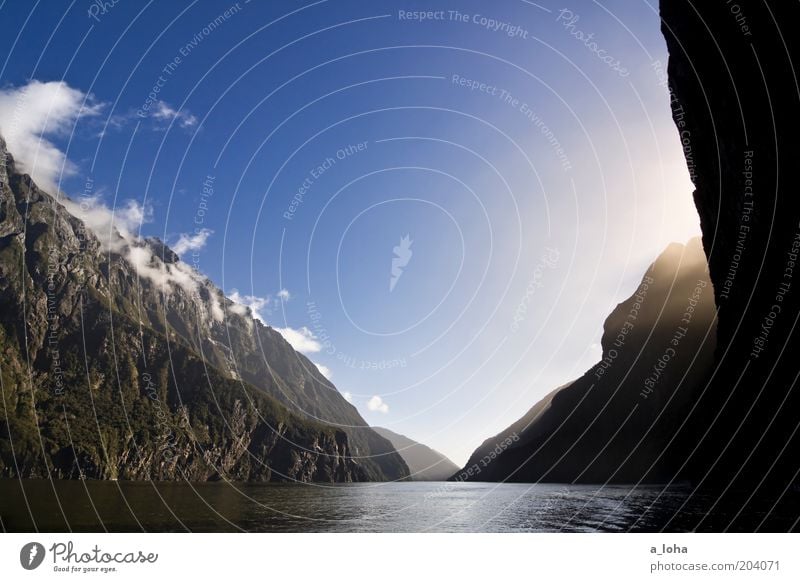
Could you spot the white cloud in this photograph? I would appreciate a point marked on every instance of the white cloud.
(347, 396)
(324, 370)
(160, 116)
(249, 305)
(165, 112)
(238, 308)
(151, 267)
(31, 114)
(216, 308)
(132, 215)
(192, 242)
(376, 404)
(115, 228)
(303, 339)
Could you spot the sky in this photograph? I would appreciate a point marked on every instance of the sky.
(438, 202)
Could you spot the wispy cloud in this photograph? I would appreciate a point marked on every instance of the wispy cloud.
(192, 242)
(165, 112)
(34, 113)
(158, 118)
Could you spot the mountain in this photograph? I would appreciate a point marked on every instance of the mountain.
(735, 97)
(120, 361)
(615, 423)
(423, 462)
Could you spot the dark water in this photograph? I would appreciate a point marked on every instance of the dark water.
(30, 505)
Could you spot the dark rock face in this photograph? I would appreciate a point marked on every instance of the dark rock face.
(616, 423)
(735, 103)
(118, 361)
(423, 462)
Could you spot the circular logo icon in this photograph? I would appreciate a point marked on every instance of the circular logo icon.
(31, 555)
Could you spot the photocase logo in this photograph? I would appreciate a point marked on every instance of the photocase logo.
(31, 555)
(402, 255)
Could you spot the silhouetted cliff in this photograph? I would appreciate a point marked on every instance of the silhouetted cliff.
(735, 102)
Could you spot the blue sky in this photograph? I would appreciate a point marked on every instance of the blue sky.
(525, 149)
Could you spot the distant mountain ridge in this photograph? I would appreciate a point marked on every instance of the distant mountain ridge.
(424, 463)
(616, 422)
(113, 351)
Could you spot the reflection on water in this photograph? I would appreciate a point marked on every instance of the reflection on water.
(29, 505)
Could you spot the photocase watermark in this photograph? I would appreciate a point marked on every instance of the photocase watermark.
(548, 260)
(783, 289)
(661, 74)
(95, 560)
(319, 170)
(739, 16)
(169, 69)
(167, 436)
(671, 351)
(66, 558)
(485, 22)
(568, 20)
(85, 201)
(100, 8)
(53, 322)
(625, 329)
(475, 468)
(679, 116)
(490, 24)
(10, 126)
(748, 205)
(402, 256)
(206, 193)
(31, 555)
(321, 334)
(506, 98)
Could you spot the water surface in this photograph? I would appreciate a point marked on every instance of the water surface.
(31, 505)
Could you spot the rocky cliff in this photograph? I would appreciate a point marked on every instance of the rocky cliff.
(735, 98)
(616, 423)
(119, 361)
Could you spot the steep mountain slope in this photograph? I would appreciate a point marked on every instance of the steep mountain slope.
(735, 98)
(126, 355)
(424, 463)
(615, 423)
